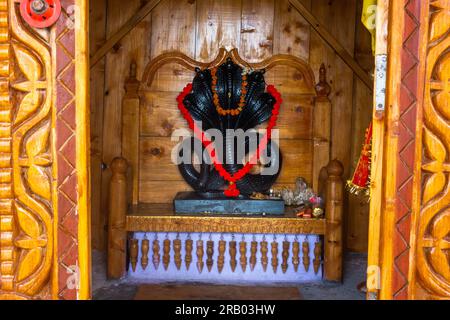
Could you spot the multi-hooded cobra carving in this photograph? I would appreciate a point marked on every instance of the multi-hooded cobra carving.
(247, 104)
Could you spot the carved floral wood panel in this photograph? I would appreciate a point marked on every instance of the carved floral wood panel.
(433, 222)
(27, 170)
(39, 190)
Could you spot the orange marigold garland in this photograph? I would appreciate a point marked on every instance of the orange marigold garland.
(241, 105)
(232, 190)
(359, 184)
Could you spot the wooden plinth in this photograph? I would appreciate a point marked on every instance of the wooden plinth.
(161, 218)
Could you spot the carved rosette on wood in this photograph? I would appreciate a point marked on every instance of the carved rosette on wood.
(26, 164)
(433, 221)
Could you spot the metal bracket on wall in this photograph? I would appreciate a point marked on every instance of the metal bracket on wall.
(380, 84)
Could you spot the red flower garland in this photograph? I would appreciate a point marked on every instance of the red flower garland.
(232, 190)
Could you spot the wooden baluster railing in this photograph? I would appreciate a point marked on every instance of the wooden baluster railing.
(264, 250)
(317, 256)
(134, 252)
(306, 259)
(166, 253)
(243, 254)
(156, 255)
(116, 222)
(233, 261)
(177, 252)
(221, 258)
(285, 255)
(274, 255)
(333, 215)
(295, 254)
(200, 253)
(145, 248)
(253, 252)
(209, 254)
(188, 258)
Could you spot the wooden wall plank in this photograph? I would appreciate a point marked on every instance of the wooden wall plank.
(291, 31)
(257, 30)
(134, 47)
(173, 27)
(344, 30)
(97, 35)
(157, 170)
(218, 25)
(339, 18)
(160, 115)
(358, 208)
(156, 163)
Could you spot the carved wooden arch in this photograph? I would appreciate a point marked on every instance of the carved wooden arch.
(189, 63)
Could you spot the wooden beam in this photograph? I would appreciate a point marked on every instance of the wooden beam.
(333, 43)
(123, 31)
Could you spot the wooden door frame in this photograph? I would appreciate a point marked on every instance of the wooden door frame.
(408, 194)
(44, 155)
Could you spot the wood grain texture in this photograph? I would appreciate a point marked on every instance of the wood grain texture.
(257, 29)
(391, 149)
(177, 253)
(97, 19)
(285, 256)
(124, 29)
(116, 219)
(357, 215)
(134, 252)
(317, 256)
(334, 211)
(264, 251)
(156, 163)
(160, 116)
(173, 27)
(296, 254)
(292, 32)
(132, 48)
(200, 253)
(218, 25)
(166, 253)
(156, 253)
(209, 254)
(130, 130)
(306, 260)
(145, 248)
(160, 218)
(82, 132)
(232, 251)
(221, 259)
(376, 185)
(243, 255)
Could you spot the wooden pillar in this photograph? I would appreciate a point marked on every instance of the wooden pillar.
(116, 221)
(333, 215)
(130, 130)
(321, 127)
